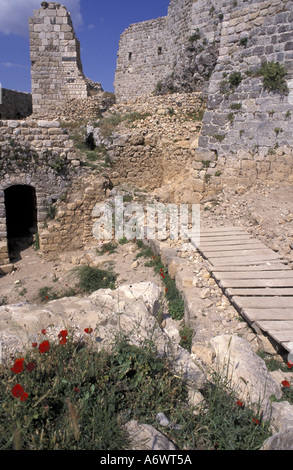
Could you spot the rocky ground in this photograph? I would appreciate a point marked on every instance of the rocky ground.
(266, 212)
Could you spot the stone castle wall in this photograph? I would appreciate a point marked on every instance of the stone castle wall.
(248, 116)
(240, 122)
(56, 69)
(37, 154)
(15, 104)
(148, 51)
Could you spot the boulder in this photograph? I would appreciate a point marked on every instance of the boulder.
(146, 437)
(236, 360)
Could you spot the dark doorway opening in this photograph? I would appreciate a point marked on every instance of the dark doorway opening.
(21, 217)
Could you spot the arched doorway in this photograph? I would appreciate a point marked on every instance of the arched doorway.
(21, 215)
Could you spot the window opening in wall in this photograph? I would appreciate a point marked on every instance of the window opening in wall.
(21, 218)
(129, 55)
(159, 51)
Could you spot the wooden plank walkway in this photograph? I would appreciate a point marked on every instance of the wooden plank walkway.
(257, 281)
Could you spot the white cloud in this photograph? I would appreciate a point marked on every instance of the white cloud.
(15, 14)
(9, 65)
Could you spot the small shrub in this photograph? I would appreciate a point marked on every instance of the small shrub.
(231, 117)
(195, 37)
(235, 79)
(186, 334)
(159, 87)
(273, 74)
(219, 137)
(107, 248)
(123, 241)
(243, 41)
(236, 106)
(277, 130)
(36, 243)
(91, 279)
(51, 211)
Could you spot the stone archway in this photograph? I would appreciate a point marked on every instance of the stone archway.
(21, 215)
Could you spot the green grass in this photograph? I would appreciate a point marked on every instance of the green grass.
(175, 301)
(110, 248)
(46, 294)
(91, 279)
(75, 397)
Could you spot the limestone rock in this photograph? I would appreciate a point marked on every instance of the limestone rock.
(280, 441)
(146, 437)
(236, 358)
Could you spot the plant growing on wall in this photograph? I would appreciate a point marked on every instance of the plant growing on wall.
(273, 74)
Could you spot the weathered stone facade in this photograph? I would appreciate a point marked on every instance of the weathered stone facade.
(243, 121)
(56, 68)
(38, 155)
(246, 116)
(15, 104)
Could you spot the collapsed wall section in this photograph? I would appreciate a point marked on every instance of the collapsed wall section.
(56, 69)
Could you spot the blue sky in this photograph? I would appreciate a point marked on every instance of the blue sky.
(98, 25)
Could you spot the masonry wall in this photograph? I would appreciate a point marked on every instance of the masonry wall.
(38, 154)
(56, 69)
(252, 33)
(15, 104)
(148, 51)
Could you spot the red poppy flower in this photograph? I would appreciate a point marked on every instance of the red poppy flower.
(18, 366)
(88, 330)
(239, 403)
(24, 396)
(183, 337)
(290, 364)
(63, 334)
(44, 331)
(47, 298)
(166, 289)
(256, 421)
(34, 345)
(285, 383)
(30, 366)
(44, 346)
(76, 389)
(63, 340)
(17, 391)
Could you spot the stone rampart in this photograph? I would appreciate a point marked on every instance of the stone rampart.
(56, 67)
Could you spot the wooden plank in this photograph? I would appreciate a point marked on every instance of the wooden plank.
(260, 292)
(282, 336)
(279, 325)
(254, 283)
(222, 229)
(219, 238)
(257, 274)
(241, 252)
(257, 314)
(278, 267)
(241, 260)
(263, 302)
(244, 245)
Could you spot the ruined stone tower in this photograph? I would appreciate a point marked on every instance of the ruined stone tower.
(56, 68)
